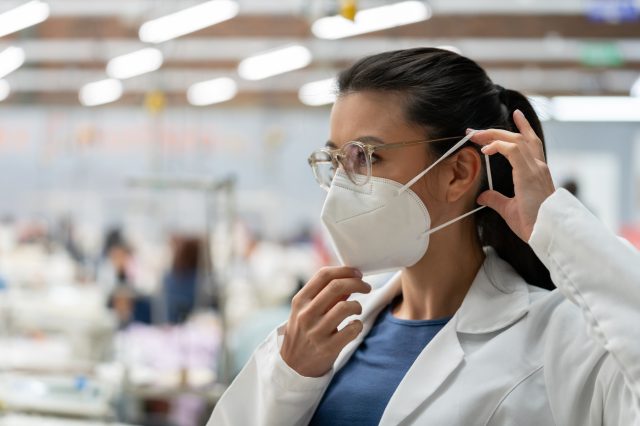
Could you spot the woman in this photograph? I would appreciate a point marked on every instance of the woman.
(467, 333)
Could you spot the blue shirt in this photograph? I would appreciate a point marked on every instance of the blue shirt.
(360, 391)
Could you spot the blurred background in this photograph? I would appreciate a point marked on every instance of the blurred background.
(157, 211)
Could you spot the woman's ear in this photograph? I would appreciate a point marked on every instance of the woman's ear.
(466, 166)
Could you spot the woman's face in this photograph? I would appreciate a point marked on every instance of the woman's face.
(379, 115)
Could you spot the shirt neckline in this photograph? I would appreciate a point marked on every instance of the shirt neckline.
(412, 323)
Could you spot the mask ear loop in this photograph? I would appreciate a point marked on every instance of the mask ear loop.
(489, 178)
(445, 155)
(490, 181)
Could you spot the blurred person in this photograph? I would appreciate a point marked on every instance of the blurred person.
(472, 329)
(116, 264)
(180, 285)
(116, 275)
(66, 235)
(571, 185)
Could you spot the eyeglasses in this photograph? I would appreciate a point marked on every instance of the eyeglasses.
(355, 158)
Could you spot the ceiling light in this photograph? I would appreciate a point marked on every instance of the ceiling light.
(135, 63)
(369, 20)
(317, 93)
(11, 59)
(5, 90)
(596, 108)
(100, 92)
(188, 20)
(274, 62)
(212, 91)
(22, 17)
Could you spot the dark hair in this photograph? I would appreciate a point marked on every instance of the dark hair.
(186, 254)
(447, 93)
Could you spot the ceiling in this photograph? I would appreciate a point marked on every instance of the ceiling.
(540, 47)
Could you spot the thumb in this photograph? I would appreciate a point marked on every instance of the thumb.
(494, 200)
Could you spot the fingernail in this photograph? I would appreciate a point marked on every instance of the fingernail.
(519, 112)
(468, 131)
(357, 273)
(484, 149)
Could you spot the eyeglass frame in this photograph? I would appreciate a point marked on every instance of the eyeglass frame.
(369, 149)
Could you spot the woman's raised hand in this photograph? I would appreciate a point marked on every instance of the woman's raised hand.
(312, 341)
(531, 178)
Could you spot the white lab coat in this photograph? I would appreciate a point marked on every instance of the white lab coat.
(513, 354)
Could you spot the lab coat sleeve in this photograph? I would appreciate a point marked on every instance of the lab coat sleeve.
(600, 274)
(267, 392)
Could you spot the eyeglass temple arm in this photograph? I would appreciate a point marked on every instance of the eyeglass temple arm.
(403, 144)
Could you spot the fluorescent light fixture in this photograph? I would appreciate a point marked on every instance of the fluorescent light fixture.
(541, 105)
(100, 92)
(135, 63)
(274, 62)
(5, 90)
(11, 59)
(635, 89)
(317, 93)
(188, 20)
(22, 17)
(596, 108)
(212, 91)
(369, 20)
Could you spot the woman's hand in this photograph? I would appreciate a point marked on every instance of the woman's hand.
(312, 341)
(531, 178)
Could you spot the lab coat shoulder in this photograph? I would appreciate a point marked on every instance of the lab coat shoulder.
(591, 344)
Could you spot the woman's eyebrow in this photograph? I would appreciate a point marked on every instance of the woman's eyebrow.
(365, 139)
(371, 139)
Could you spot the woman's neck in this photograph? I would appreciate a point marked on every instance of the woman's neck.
(436, 286)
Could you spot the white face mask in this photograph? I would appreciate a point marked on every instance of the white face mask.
(382, 225)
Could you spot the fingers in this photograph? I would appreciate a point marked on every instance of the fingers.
(337, 314)
(527, 135)
(485, 137)
(494, 200)
(524, 127)
(346, 335)
(323, 277)
(511, 151)
(337, 291)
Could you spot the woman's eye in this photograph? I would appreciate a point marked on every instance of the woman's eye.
(375, 158)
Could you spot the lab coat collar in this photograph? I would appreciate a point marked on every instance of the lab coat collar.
(497, 298)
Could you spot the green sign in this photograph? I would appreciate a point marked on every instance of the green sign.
(601, 54)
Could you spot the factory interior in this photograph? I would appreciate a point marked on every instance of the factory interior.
(157, 209)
